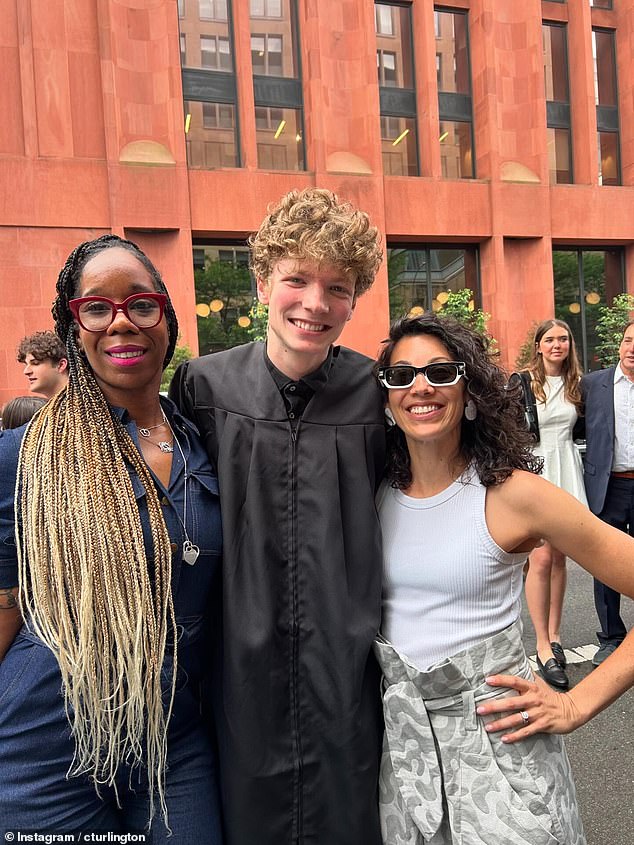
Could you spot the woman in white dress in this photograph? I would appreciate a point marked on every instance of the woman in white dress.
(555, 374)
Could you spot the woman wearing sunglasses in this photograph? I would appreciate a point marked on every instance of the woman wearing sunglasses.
(471, 751)
(106, 574)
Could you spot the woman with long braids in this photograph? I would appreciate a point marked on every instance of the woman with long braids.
(106, 576)
(471, 752)
(553, 375)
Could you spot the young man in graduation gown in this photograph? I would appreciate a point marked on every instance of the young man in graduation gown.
(296, 429)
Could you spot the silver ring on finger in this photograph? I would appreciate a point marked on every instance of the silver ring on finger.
(525, 717)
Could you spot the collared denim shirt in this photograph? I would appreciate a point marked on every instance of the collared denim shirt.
(191, 585)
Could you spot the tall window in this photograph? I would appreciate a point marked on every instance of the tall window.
(421, 278)
(557, 103)
(603, 48)
(209, 85)
(454, 94)
(277, 85)
(585, 280)
(225, 292)
(395, 72)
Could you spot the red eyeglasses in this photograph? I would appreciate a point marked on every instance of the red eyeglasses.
(97, 313)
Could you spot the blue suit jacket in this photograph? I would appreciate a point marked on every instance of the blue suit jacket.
(597, 390)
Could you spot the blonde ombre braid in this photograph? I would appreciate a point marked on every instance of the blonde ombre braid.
(88, 587)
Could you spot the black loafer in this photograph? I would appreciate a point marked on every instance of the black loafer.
(553, 674)
(559, 654)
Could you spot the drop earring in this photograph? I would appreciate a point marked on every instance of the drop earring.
(389, 417)
(470, 410)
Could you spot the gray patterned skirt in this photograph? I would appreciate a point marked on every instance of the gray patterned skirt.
(445, 780)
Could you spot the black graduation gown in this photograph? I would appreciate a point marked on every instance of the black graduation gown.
(298, 720)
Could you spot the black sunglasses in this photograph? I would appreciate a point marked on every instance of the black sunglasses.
(441, 374)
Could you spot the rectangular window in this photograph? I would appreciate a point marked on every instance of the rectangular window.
(397, 95)
(601, 4)
(210, 135)
(209, 87)
(606, 98)
(454, 95)
(384, 19)
(422, 278)
(398, 142)
(215, 53)
(557, 103)
(267, 54)
(212, 10)
(277, 85)
(265, 8)
(279, 139)
(456, 149)
(584, 281)
(225, 292)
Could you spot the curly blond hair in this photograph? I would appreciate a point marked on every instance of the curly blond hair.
(315, 225)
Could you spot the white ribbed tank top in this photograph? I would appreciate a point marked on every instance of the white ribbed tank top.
(446, 584)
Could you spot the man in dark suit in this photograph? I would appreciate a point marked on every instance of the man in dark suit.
(609, 471)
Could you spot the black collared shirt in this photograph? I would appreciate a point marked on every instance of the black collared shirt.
(297, 394)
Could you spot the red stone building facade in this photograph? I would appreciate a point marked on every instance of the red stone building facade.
(483, 137)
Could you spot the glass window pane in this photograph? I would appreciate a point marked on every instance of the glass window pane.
(601, 4)
(604, 67)
(559, 159)
(584, 281)
(224, 296)
(394, 48)
(452, 45)
(279, 139)
(555, 63)
(384, 20)
(399, 145)
(210, 133)
(456, 153)
(212, 10)
(208, 43)
(421, 279)
(608, 158)
(272, 39)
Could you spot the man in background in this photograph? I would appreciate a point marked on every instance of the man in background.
(609, 471)
(45, 363)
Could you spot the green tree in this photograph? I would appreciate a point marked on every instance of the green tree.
(610, 326)
(460, 305)
(181, 353)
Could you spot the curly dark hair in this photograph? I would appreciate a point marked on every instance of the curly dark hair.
(68, 288)
(497, 441)
(41, 345)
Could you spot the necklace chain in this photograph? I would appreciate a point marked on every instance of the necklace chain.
(163, 445)
(190, 550)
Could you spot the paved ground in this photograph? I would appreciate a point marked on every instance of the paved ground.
(602, 752)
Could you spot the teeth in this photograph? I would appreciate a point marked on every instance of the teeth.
(136, 354)
(423, 409)
(309, 327)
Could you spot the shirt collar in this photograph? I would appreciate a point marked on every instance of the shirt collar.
(315, 380)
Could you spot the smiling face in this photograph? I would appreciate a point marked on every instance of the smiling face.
(554, 347)
(309, 304)
(626, 353)
(422, 412)
(123, 357)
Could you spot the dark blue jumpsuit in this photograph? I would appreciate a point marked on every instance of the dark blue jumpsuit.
(36, 749)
